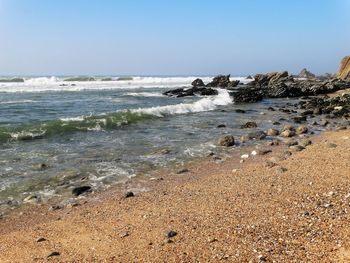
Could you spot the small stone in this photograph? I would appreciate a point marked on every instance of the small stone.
(273, 143)
(33, 199)
(171, 234)
(288, 128)
(124, 234)
(299, 119)
(249, 125)
(41, 239)
(129, 194)
(227, 140)
(240, 111)
(80, 190)
(276, 123)
(272, 132)
(182, 171)
(245, 156)
(302, 129)
(221, 126)
(290, 142)
(54, 254)
(305, 142)
(262, 258)
(54, 207)
(288, 133)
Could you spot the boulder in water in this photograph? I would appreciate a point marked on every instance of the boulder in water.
(198, 83)
(227, 140)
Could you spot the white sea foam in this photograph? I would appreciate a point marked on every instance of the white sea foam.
(46, 84)
(16, 101)
(144, 94)
(204, 104)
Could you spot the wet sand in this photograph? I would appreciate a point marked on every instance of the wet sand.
(266, 209)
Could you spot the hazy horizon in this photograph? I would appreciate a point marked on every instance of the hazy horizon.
(180, 38)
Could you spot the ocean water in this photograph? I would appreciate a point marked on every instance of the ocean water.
(99, 133)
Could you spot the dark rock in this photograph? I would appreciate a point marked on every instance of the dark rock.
(240, 111)
(299, 119)
(249, 125)
(221, 126)
(249, 77)
(54, 254)
(222, 81)
(198, 83)
(227, 140)
(185, 92)
(271, 109)
(129, 194)
(258, 135)
(182, 171)
(171, 234)
(41, 239)
(80, 190)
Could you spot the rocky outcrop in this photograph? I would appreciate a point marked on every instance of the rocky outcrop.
(344, 70)
(199, 88)
(198, 83)
(304, 73)
(282, 85)
(184, 92)
(222, 81)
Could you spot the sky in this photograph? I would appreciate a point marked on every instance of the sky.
(178, 37)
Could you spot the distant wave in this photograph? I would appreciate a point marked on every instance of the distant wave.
(144, 94)
(55, 84)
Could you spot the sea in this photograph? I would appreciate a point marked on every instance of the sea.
(57, 133)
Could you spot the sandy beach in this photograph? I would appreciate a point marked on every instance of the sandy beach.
(270, 208)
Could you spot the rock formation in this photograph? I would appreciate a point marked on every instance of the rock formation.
(344, 70)
(304, 73)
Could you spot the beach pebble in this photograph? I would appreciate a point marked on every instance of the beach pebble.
(80, 190)
(221, 126)
(249, 125)
(258, 135)
(227, 140)
(302, 129)
(240, 111)
(41, 239)
(33, 199)
(245, 156)
(181, 171)
(290, 142)
(129, 194)
(54, 254)
(272, 132)
(305, 142)
(288, 128)
(170, 233)
(288, 133)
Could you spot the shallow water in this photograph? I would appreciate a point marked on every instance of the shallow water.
(101, 133)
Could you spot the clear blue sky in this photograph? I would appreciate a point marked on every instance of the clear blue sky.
(179, 37)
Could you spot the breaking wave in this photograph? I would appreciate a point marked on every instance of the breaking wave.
(109, 121)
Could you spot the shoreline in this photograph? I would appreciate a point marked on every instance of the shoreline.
(179, 203)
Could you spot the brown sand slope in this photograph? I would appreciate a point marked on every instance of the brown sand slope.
(300, 213)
